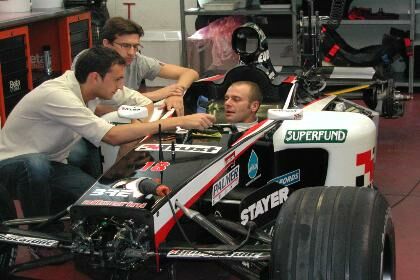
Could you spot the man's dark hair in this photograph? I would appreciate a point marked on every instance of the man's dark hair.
(97, 59)
(117, 26)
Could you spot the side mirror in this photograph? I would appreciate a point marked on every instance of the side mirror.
(132, 112)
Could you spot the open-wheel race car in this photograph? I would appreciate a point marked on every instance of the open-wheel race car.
(292, 197)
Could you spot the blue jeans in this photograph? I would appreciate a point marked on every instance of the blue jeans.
(37, 182)
(87, 157)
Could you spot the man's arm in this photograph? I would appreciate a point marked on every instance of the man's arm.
(184, 76)
(173, 93)
(165, 92)
(125, 133)
(101, 109)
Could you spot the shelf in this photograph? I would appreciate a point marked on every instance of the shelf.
(417, 8)
(286, 48)
(403, 21)
(416, 41)
(245, 12)
(401, 80)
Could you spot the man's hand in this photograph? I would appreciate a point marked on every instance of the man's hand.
(175, 102)
(171, 90)
(165, 92)
(175, 90)
(197, 121)
(162, 190)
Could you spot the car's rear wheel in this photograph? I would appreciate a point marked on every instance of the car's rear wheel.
(7, 251)
(334, 233)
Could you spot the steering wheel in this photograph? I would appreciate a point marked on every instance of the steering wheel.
(222, 128)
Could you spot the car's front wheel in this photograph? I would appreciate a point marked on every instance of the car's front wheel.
(334, 233)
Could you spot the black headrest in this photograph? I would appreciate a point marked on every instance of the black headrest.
(216, 90)
(251, 74)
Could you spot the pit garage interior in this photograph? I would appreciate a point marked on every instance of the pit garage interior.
(397, 164)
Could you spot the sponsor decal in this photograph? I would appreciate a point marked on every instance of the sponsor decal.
(264, 56)
(181, 148)
(194, 189)
(225, 184)
(198, 254)
(288, 179)
(28, 240)
(315, 136)
(365, 159)
(253, 180)
(267, 201)
(111, 192)
(230, 159)
(130, 108)
(14, 85)
(128, 204)
(252, 165)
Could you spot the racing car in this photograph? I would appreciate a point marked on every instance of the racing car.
(292, 197)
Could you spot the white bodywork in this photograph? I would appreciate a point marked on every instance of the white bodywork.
(342, 159)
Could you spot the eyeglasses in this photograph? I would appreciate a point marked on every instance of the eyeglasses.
(127, 46)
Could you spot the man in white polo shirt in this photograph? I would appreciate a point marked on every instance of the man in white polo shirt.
(41, 130)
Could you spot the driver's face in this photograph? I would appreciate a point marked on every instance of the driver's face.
(238, 107)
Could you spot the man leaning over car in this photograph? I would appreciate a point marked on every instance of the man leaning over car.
(45, 124)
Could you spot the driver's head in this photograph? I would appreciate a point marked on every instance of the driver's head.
(242, 101)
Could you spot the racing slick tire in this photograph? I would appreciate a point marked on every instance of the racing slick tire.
(7, 251)
(334, 233)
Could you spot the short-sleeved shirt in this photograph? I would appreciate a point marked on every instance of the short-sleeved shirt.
(49, 120)
(142, 67)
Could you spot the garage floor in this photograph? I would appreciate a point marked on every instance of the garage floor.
(397, 175)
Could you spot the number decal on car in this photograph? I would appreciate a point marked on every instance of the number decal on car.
(159, 166)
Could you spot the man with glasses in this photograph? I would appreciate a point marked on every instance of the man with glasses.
(124, 36)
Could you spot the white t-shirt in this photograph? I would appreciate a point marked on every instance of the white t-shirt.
(244, 126)
(49, 120)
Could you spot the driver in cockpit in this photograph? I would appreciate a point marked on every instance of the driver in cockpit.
(242, 101)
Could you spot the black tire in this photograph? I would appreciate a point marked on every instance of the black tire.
(7, 252)
(334, 233)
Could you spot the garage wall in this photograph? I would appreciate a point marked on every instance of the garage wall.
(153, 14)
